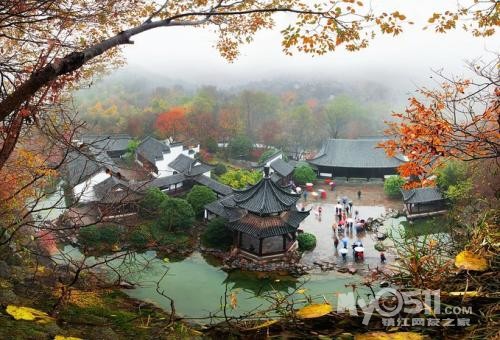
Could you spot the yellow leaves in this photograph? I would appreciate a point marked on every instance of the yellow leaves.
(265, 324)
(469, 261)
(27, 313)
(315, 310)
(466, 294)
(233, 300)
(61, 337)
(389, 336)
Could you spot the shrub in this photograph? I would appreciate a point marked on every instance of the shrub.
(109, 234)
(240, 146)
(304, 174)
(95, 236)
(392, 186)
(210, 145)
(175, 213)
(150, 204)
(217, 235)
(89, 236)
(239, 179)
(452, 172)
(199, 196)
(220, 169)
(307, 241)
(140, 237)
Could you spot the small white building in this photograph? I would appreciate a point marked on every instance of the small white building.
(156, 156)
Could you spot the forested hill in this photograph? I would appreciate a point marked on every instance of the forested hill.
(275, 112)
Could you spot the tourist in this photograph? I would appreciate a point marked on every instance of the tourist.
(382, 257)
(347, 209)
(319, 211)
(305, 196)
(359, 194)
(350, 204)
(356, 215)
(336, 242)
(344, 242)
(343, 252)
(349, 223)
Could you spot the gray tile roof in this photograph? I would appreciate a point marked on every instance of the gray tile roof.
(268, 226)
(198, 170)
(152, 149)
(422, 195)
(355, 153)
(282, 167)
(226, 208)
(108, 143)
(182, 163)
(115, 190)
(165, 182)
(265, 197)
(216, 186)
(83, 164)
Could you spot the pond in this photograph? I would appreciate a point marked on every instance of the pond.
(198, 285)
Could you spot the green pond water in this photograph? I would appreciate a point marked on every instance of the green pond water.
(198, 285)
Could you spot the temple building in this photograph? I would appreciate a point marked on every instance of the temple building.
(355, 158)
(423, 202)
(264, 219)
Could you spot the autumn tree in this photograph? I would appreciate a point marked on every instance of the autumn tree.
(459, 120)
(172, 123)
(49, 46)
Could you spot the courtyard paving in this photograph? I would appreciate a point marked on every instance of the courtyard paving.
(373, 203)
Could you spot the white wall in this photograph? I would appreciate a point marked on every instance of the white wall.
(162, 165)
(84, 192)
(270, 160)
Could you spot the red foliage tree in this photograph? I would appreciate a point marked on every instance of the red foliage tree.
(172, 123)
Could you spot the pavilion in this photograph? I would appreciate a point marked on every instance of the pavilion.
(423, 202)
(263, 218)
(355, 158)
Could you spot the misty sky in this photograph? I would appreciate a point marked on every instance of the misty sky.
(404, 61)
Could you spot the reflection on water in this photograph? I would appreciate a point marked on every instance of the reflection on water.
(198, 288)
(198, 285)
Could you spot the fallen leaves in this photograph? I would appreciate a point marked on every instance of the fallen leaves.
(389, 336)
(469, 261)
(27, 313)
(315, 310)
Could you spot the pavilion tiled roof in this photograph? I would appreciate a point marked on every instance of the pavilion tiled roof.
(265, 197)
(267, 226)
(355, 153)
(422, 195)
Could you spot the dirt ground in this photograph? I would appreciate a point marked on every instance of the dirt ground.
(372, 194)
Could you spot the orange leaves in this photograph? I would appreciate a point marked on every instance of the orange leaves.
(172, 123)
(445, 123)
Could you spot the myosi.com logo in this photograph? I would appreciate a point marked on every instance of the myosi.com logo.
(390, 303)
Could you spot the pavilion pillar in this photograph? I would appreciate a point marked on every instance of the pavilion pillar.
(284, 242)
(260, 246)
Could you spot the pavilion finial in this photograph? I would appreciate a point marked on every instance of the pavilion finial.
(266, 171)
